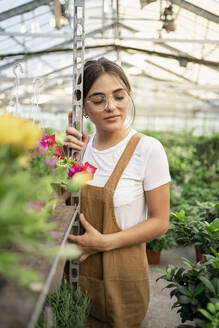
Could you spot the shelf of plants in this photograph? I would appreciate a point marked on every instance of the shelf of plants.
(35, 220)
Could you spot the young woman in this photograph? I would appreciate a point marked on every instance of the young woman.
(132, 178)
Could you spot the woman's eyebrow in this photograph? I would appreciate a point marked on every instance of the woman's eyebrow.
(102, 94)
(96, 94)
(119, 89)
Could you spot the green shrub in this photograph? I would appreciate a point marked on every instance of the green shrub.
(194, 287)
(211, 316)
(65, 308)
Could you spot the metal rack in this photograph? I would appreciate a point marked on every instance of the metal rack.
(77, 116)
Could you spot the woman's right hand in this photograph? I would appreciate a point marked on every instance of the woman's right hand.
(74, 139)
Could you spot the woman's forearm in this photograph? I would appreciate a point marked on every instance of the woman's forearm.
(142, 232)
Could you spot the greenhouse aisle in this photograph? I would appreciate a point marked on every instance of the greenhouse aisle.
(159, 313)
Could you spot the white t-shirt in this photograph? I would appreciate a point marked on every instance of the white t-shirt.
(147, 169)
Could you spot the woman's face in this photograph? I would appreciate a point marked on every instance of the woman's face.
(109, 115)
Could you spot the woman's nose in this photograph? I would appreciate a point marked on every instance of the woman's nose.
(110, 105)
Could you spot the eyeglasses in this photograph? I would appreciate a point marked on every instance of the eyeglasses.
(100, 102)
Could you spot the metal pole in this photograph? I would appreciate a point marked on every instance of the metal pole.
(77, 106)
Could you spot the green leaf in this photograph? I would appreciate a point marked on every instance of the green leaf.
(179, 274)
(208, 284)
(198, 290)
(173, 292)
(217, 306)
(206, 314)
(189, 263)
(170, 286)
(184, 299)
(200, 323)
(184, 291)
(211, 308)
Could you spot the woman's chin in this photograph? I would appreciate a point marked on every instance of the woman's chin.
(113, 126)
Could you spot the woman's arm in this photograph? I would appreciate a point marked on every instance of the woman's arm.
(156, 225)
(92, 241)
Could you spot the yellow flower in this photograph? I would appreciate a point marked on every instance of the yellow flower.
(23, 161)
(79, 179)
(21, 135)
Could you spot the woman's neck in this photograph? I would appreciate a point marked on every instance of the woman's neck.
(104, 139)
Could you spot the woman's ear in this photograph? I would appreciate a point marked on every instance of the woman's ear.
(85, 112)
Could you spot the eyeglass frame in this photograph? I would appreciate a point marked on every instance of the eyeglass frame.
(106, 98)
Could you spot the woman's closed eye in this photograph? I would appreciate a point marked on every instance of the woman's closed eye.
(97, 100)
(119, 97)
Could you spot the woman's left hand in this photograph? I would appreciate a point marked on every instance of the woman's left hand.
(91, 242)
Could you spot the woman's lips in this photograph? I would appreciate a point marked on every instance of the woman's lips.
(112, 118)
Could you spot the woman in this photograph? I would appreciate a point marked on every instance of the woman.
(132, 177)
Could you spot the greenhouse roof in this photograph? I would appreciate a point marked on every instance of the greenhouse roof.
(169, 49)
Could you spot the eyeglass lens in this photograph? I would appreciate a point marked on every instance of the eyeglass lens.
(101, 102)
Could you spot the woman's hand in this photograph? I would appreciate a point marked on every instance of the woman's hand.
(74, 139)
(91, 242)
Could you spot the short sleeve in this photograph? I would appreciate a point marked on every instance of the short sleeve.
(156, 171)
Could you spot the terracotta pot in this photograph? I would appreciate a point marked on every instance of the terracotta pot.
(153, 257)
(199, 255)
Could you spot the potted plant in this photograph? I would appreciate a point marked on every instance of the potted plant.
(205, 237)
(155, 246)
(196, 231)
(193, 287)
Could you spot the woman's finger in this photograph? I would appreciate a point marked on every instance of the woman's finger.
(70, 119)
(85, 137)
(82, 258)
(73, 146)
(74, 132)
(87, 226)
(74, 140)
(73, 238)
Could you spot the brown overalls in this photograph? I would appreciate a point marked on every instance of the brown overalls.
(116, 281)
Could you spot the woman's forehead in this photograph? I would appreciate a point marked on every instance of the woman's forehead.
(105, 83)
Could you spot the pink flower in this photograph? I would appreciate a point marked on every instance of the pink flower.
(42, 146)
(51, 161)
(35, 206)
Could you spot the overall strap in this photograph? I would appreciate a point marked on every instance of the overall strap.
(123, 161)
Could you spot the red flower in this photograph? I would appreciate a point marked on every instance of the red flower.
(90, 168)
(75, 168)
(50, 139)
(87, 167)
(58, 152)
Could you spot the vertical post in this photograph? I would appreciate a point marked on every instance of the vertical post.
(77, 114)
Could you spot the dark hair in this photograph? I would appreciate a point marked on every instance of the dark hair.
(95, 68)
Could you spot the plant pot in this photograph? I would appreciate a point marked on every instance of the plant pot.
(199, 255)
(153, 257)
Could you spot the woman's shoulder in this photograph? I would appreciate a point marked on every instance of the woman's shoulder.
(149, 143)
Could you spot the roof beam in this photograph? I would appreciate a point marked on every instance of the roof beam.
(183, 53)
(116, 46)
(196, 10)
(23, 9)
